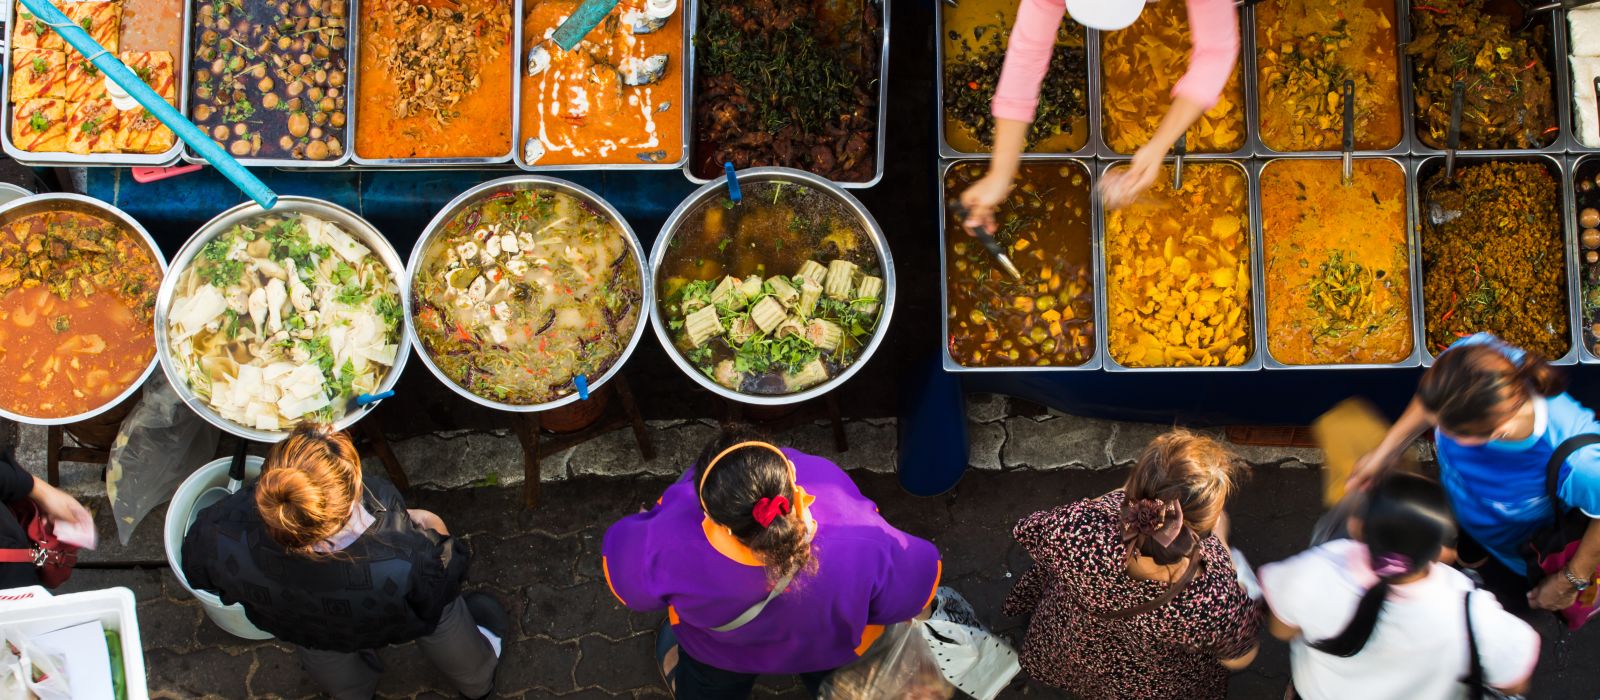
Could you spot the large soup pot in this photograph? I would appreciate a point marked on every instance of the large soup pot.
(327, 211)
(36, 204)
(718, 189)
(491, 190)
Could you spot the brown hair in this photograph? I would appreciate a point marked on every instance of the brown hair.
(308, 487)
(1196, 472)
(742, 478)
(1473, 389)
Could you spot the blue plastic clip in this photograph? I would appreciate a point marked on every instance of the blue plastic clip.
(369, 399)
(733, 183)
(583, 386)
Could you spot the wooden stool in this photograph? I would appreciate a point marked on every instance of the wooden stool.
(91, 439)
(786, 417)
(368, 433)
(530, 426)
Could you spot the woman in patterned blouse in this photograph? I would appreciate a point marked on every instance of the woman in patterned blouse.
(1133, 594)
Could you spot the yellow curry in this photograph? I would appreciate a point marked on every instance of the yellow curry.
(1141, 64)
(617, 97)
(1307, 49)
(1337, 268)
(1178, 272)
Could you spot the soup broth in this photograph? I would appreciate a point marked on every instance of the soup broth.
(522, 292)
(790, 279)
(76, 298)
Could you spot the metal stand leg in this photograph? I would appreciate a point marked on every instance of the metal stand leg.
(53, 456)
(629, 406)
(527, 428)
(840, 441)
(371, 428)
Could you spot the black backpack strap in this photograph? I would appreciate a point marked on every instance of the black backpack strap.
(1552, 470)
(1474, 679)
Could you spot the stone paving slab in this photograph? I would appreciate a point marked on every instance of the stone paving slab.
(573, 640)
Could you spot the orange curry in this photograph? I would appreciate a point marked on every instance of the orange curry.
(435, 79)
(577, 107)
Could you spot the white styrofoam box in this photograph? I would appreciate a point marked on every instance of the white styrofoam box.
(113, 607)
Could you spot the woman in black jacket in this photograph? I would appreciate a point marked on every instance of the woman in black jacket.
(336, 565)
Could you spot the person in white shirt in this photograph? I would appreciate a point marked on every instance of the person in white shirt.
(1379, 616)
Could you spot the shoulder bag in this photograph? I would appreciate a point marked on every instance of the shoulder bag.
(1553, 545)
(53, 558)
(745, 617)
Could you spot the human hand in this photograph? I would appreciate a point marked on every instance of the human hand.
(1120, 188)
(981, 198)
(69, 520)
(1365, 472)
(1555, 592)
(428, 521)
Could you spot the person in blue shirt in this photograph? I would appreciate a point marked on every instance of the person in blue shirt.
(1498, 414)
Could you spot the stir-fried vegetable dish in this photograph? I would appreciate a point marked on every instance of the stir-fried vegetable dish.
(787, 82)
(284, 318)
(1046, 319)
(1338, 285)
(1140, 65)
(1306, 51)
(1493, 257)
(615, 98)
(436, 79)
(1178, 267)
(773, 295)
(524, 291)
(1508, 100)
(77, 293)
(974, 51)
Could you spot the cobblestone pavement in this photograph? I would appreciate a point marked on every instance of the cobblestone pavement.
(573, 640)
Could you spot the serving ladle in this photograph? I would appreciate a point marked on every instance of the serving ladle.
(1437, 214)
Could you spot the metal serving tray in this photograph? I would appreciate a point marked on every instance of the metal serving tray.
(189, 156)
(685, 101)
(1091, 96)
(354, 87)
(1095, 257)
(1102, 284)
(1555, 60)
(69, 160)
(1569, 129)
(883, 101)
(1413, 271)
(1576, 165)
(1559, 171)
(1247, 84)
(1251, 64)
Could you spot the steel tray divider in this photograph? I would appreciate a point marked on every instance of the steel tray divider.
(685, 99)
(166, 158)
(950, 364)
(1559, 173)
(1574, 141)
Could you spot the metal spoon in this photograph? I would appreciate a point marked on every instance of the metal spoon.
(216, 494)
(1436, 212)
(1179, 149)
(989, 243)
(1348, 144)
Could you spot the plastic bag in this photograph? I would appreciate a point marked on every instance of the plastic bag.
(899, 665)
(45, 673)
(160, 443)
(971, 657)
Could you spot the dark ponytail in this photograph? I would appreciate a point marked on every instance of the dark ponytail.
(1405, 524)
(740, 480)
(1473, 389)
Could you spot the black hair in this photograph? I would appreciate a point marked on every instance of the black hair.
(1406, 517)
(1472, 389)
(739, 481)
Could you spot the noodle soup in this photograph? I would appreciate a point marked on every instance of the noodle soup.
(77, 293)
(521, 292)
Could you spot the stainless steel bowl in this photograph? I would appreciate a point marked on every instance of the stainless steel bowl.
(716, 188)
(35, 204)
(513, 184)
(327, 211)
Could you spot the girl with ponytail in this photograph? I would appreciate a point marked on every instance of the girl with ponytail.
(1500, 421)
(329, 559)
(768, 561)
(1378, 616)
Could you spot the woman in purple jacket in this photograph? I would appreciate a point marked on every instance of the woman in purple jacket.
(767, 561)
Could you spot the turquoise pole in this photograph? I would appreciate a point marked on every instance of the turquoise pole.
(185, 129)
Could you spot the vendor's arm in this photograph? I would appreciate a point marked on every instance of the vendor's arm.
(1016, 99)
(56, 505)
(1414, 422)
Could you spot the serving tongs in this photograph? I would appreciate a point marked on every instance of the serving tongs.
(1436, 211)
(989, 243)
(1348, 144)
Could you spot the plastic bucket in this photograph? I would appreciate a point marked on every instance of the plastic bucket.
(180, 513)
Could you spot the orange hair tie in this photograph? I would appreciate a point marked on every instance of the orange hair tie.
(699, 492)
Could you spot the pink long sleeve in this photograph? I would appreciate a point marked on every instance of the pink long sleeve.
(1214, 36)
(1033, 37)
